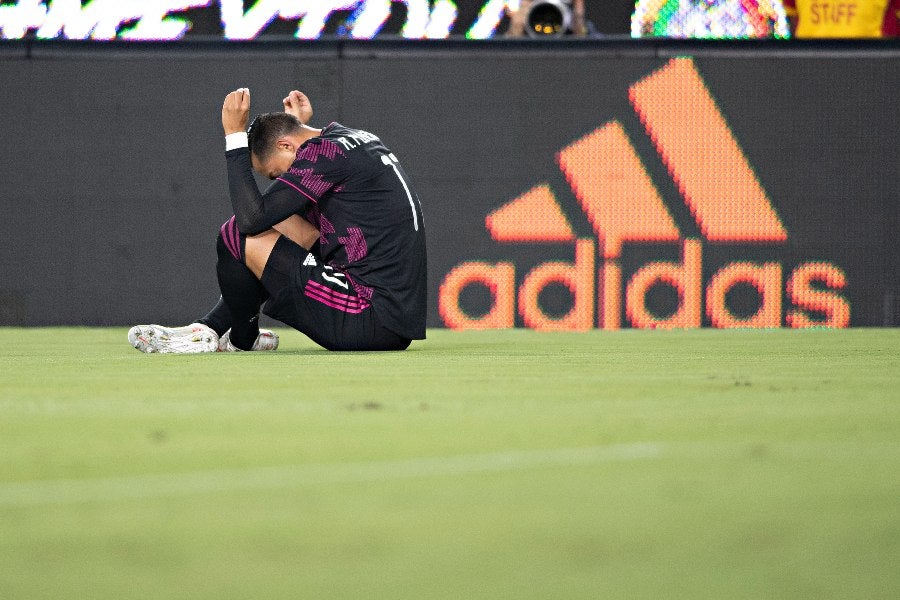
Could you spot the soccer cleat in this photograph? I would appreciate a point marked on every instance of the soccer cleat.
(266, 341)
(191, 339)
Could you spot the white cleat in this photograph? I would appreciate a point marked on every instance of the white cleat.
(266, 341)
(191, 339)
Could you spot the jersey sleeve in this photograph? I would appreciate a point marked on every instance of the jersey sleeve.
(256, 212)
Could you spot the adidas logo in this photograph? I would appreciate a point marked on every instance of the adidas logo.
(310, 261)
(619, 199)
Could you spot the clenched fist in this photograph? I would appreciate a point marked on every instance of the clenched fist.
(298, 104)
(236, 111)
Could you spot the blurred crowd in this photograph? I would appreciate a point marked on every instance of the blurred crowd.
(717, 18)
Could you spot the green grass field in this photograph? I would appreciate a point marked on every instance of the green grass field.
(514, 464)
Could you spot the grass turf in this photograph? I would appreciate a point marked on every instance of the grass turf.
(513, 464)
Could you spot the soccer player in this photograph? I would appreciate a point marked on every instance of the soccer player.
(350, 274)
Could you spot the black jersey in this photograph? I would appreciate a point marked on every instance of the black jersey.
(353, 189)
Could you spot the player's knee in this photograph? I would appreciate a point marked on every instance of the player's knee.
(257, 249)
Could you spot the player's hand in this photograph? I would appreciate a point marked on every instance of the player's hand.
(236, 111)
(298, 104)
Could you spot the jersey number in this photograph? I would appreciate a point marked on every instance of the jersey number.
(335, 277)
(391, 161)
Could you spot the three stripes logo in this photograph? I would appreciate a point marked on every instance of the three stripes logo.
(619, 199)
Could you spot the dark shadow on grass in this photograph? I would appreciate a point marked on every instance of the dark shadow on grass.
(323, 351)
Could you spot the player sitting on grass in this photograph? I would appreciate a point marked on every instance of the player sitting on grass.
(350, 274)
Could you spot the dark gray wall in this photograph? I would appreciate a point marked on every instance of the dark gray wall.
(112, 183)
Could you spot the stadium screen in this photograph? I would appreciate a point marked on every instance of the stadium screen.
(364, 19)
(239, 20)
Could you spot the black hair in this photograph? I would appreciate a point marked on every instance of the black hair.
(265, 130)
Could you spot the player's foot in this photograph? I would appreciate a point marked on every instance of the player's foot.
(190, 339)
(267, 340)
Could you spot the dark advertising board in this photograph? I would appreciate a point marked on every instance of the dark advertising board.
(570, 188)
(680, 193)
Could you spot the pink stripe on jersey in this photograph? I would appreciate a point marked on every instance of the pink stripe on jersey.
(355, 244)
(321, 147)
(286, 182)
(353, 310)
(336, 295)
(326, 226)
(312, 181)
(334, 299)
(363, 291)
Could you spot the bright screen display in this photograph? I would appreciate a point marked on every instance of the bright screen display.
(240, 20)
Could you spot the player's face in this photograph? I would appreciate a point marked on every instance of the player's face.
(275, 165)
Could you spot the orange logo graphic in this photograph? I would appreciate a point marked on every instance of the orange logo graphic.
(622, 205)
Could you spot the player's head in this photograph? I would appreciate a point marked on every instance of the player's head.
(273, 140)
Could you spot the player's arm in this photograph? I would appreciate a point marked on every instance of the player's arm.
(254, 212)
(296, 103)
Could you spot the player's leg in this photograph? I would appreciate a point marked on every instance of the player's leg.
(236, 314)
(242, 260)
(295, 228)
(299, 230)
(316, 299)
(241, 289)
(220, 319)
(257, 250)
(233, 322)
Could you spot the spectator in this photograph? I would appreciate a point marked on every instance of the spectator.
(715, 19)
(518, 19)
(844, 18)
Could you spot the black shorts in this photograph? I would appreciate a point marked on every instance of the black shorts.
(317, 300)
